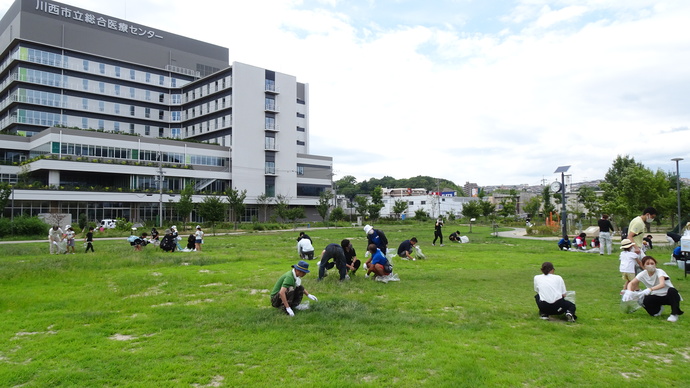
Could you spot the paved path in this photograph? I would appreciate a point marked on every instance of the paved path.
(657, 238)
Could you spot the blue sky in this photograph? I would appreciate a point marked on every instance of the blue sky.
(491, 92)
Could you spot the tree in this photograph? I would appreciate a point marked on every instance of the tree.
(548, 207)
(213, 209)
(294, 214)
(264, 201)
(347, 186)
(507, 208)
(376, 203)
(362, 206)
(282, 205)
(421, 215)
(588, 198)
(399, 207)
(185, 205)
(471, 210)
(324, 203)
(337, 214)
(532, 206)
(637, 188)
(5, 192)
(236, 201)
(487, 208)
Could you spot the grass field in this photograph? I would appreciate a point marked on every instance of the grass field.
(464, 317)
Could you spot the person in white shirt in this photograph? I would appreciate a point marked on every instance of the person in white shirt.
(305, 249)
(628, 259)
(199, 238)
(550, 296)
(54, 238)
(659, 291)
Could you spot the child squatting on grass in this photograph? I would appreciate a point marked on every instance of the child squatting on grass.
(288, 291)
(550, 295)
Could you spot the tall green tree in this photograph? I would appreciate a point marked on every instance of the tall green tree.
(399, 207)
(236, 201)
(264, 201)
(347, 186)
(213, 209)
(295, 213)
(471, 210)
(376, 203)
(185, 205)
(548, 207)
(487, 208)
(324, 204)
(637, 188)
(362, 206)
(5, 192)
(588, 198)
(532, 206)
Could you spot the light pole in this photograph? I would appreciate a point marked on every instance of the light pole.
(678, 190)
(564, 214)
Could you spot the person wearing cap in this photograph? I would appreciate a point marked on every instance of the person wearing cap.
(405, 249)
(54, 238)
(288, 291)
(69, 237)
(438, 234)
(605, 230)
(304, 249)
(638, 226)
(335, 252)
(198, 238)
(176, 236)
(550, 295)
(659, 290)
(376, 237)
(168, 242)
(628, 259)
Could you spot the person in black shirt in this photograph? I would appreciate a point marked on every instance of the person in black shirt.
(605, 230)
(405, 248)
(437, 231)
(89, 240)
(351, 261)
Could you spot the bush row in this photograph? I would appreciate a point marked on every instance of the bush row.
(23, 226)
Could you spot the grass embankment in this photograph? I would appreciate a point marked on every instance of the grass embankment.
(464, 317)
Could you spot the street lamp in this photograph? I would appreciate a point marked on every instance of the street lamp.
(564, 215)
(678, 190)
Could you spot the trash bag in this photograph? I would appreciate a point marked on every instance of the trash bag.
(570, 296)
(419, 254)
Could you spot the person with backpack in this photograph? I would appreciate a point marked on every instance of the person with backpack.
(168, 243)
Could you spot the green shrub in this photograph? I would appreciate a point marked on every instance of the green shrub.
(542, 230)
(23, 226)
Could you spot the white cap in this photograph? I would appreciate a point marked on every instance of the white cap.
(173, 227)
(68, 226)
(198, 227)
(368, 229)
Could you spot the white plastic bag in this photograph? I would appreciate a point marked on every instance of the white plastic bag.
(570, 296)
(464, 239)
(419, 255)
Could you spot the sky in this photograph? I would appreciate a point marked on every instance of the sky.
(484, 91)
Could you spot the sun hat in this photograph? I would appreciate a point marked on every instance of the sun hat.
(367, 229)
(173, 227)
(198, 226)
(625, 243)
(302, 266)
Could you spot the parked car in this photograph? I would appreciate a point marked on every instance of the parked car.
(108, 223)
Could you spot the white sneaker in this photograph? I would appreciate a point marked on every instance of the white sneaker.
(672, 318)
(383, 279)
(659, 313)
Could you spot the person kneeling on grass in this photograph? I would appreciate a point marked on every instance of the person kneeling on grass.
(335, 252)
(550, 295)
(378, 264)
(659, 291)
(288, 291)
(405, 249)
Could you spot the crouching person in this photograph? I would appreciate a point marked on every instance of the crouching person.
(379, 265)
(550, 295)
(288, 291)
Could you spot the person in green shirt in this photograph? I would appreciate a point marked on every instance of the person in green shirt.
(638, 226)
(288, 291)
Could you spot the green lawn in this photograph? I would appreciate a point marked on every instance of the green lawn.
(464, 317)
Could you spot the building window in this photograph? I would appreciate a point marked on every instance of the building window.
(117, 90)
(147, 113)
(85, 103)
(101, 87)
(101, 106)
(131, 129)
(300, 143)
(84, 123)
(300, 115)
(300, 170)
(160, 115)
(161, 80)
(147, 130)
(132, 74)
(117, 71)
(116, 107)
(131, 110)
(116, 126)
(423, 202)
(101, 68)
(85, 84)
(148, 95)
(148, 77)
(101, 125)
(132, 92)
(300, 129)
(86, 65)
(161, 97)
(160, 132)
(176, 133)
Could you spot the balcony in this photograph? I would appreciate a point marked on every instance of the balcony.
(272, 108)
(272, 128)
